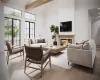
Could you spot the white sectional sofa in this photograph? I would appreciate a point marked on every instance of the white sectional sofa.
(82, 54)
(39, 43)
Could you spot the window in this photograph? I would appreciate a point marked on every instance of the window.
(29, 30)
(11, 11)
(12, 31)
(30, 16)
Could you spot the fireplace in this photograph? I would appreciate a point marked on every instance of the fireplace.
(65, 39)
(65, 42)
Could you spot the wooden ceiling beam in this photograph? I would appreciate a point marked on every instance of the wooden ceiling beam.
(36, 4)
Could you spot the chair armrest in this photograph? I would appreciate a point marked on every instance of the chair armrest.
(47, 55)
(47, 52)
(18, 46)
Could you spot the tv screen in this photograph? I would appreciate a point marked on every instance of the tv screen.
(66, 26)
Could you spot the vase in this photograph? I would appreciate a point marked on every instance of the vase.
(55, 43)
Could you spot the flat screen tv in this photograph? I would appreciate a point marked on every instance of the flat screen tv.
(66, 26)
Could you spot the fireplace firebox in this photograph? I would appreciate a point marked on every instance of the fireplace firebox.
(65, 41)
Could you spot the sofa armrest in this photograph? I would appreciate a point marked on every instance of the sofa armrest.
(80, 56)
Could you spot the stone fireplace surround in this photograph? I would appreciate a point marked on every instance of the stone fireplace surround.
(65, 37)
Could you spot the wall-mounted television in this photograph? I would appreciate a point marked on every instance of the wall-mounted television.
(66, 26)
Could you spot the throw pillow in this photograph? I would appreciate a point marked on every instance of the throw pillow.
(31, 41)
(86, 46)
(40, 40)
(89, 45)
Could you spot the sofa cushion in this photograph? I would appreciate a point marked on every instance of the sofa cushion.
(79, 46)
(40, 40)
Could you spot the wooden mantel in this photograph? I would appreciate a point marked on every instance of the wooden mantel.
(68, 35)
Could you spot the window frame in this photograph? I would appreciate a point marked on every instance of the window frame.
(31, 14)
(12, 42)
(29, 29)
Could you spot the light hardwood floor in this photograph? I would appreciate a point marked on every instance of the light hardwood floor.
(16, 71)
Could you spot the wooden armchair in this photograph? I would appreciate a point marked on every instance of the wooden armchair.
(35, 55)
(11, 51)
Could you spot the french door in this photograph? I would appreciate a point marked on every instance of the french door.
(29, 30)
(12, 31)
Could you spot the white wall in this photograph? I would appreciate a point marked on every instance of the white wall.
(82, 28)
(39, 23)
(3, 65)
(65, 10)
(95, 31)
(57, 11)
(1, 28)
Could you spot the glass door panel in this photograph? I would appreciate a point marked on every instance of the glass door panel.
(8, 30)
(16, 32)
(12, 31)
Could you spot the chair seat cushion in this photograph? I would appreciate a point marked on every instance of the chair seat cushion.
(17, 50)
(45, 57)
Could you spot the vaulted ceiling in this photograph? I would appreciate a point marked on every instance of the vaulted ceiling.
(18, 4)
(36, 3)
(21, 4)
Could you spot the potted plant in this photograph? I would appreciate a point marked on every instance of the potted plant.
(55, 30)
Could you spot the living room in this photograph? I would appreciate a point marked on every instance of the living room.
(83, 16)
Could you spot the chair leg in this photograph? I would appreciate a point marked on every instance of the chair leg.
(7, 56)
(23, 54)
(50, 61)
(92, 70)
(8, 59)
(41, 70)
(20, 53)
(68, 63)
(25, 66)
